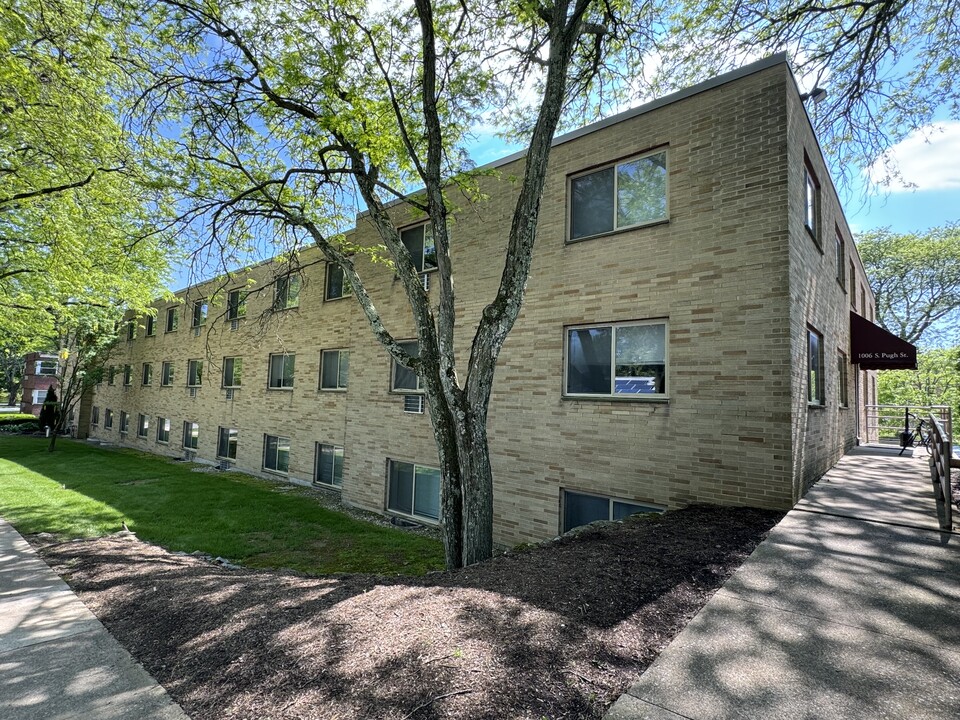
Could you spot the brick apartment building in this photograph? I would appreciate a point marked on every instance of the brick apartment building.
(39, 375)
(685, 336)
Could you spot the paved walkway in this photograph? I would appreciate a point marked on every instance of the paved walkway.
(849, 610)
(57, 662)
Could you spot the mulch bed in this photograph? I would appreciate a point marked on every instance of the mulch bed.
(557, 631)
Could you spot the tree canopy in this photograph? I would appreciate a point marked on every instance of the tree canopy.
(916, 280)
(889, 66)
(74, 232)
(295, 116)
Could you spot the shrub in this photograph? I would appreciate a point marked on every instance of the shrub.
(17, 419)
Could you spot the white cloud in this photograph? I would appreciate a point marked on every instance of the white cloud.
(924, 160)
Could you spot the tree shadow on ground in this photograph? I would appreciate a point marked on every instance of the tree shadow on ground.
(557, 631)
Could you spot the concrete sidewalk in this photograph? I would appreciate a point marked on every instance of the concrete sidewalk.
(850, 609)
(56, 660)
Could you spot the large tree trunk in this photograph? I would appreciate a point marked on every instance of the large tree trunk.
(477, 475)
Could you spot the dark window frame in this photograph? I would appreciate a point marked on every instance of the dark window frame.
(615, 227)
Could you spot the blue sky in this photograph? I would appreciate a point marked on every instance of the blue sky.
(929, 195)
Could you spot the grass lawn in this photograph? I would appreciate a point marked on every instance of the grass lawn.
(81, 490)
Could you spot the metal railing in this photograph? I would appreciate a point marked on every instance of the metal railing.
(886, 422)
(941, 462)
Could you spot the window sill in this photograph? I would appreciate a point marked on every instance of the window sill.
(279, 473)
(281, 389)
(429, 522)
(340, 390)
(326, 486)
(617, 231)
(816, 406)
(163, 442)
(659, 400)
(341, 297)
(395, 391)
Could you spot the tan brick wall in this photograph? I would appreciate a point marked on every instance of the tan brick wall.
(723, 272)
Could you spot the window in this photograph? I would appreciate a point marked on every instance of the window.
(143, 425)
(419, 243)
(108, 419)
(191, 435)
(111, 375)
(863, 300)
(622, 360)
(199, 313)
(404, 379)
(329, 469)
(811, 211)
(337, 284)
(166, 374)
(127, 375)
(46, 367)
(236, 304)
(39, 397)
(148, 373)
(227, 443)
(131, 329)
(815, 395)
(414, 490)
(622, 195)
(276, 453)
(163, 430)
(171, 325)
(580, 509)
(281, 371)
(94, 415)
(151, 326)
(194, 373)
(842, 396)
(841, 260)
(853, 285)
(334, 366)
(124, 422)
(287, 293)
(232, 372)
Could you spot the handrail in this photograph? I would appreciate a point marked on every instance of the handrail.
(889, 420)
(940, 465)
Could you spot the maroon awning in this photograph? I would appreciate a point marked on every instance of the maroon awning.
(873, 348)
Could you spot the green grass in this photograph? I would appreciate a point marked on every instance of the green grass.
(81, 490)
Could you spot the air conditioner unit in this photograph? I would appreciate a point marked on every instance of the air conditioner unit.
(224, 465)
(229, 393)
(235, 324)
(413, 404)
(189, 455)
(193, 391)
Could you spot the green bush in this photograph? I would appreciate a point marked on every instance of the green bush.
(17, 419)
(26, 427)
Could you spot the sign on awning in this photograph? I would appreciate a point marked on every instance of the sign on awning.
(873, 348)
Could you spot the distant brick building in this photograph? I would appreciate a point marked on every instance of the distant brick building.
(685, 336)
(39, 375)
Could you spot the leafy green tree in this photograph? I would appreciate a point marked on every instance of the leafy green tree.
(11, 368)
(936, 381)
(298, 115)
(888, 65)
(76, 248)
(73, 230)
(916, 280)
(85, 337)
